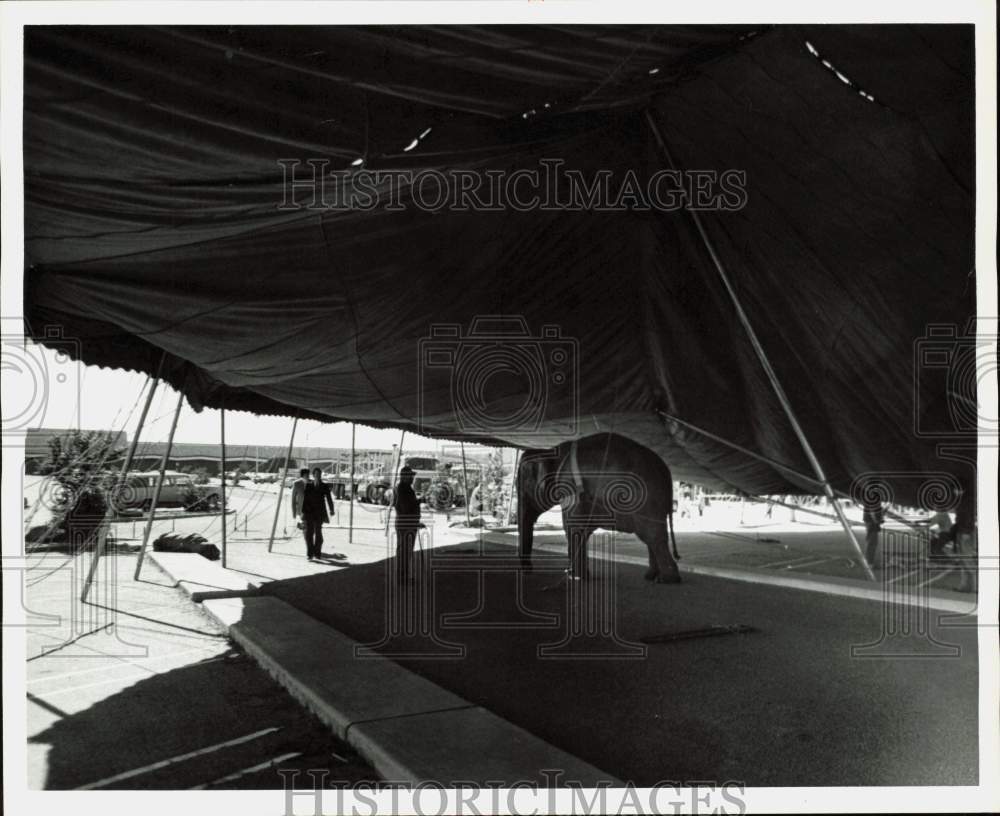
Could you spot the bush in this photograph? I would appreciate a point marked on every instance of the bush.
(198, 497)
(78, 463)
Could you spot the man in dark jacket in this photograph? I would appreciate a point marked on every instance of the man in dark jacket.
(873, 517)
(408, 525)
(316, 499)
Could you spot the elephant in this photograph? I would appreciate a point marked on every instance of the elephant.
(605, 480)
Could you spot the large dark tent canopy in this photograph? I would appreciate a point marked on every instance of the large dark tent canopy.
(153, 185)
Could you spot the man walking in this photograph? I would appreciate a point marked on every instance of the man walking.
(316, 499)
(298, 491)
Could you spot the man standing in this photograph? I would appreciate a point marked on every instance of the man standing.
(407, 508)
(942, 531)
(873, 517)
(316, 499)
(298, 491)
(966, 540)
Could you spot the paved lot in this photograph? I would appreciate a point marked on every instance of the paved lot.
(787, 703)
(733, 534)
(140, 690)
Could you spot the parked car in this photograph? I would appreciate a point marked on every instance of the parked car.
(179, 489)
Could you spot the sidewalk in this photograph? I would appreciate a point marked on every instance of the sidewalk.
(138, 689)
(519, 669)
(622, 674)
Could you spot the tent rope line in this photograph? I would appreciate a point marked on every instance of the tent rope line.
(766, 363)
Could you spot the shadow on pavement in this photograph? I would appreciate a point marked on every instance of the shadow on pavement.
(785, 704)
(154, 734)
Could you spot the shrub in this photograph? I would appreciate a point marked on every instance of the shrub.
(78, 463)
(196, 497)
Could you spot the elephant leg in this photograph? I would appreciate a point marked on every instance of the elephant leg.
(527, 515)
(662, 566)
(654, 569)
(578, 536)
(578, 530)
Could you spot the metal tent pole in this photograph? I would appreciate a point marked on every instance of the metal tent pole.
(102, 535)
(465, 486)
(159, 484)
(777, 465)
(222, 437)
(513, 486)
(281, 484)
(766, 364)
(350, 508)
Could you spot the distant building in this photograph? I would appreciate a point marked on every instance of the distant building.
(192, 456)
(36, 442)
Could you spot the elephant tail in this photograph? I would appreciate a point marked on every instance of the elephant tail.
(673, 538)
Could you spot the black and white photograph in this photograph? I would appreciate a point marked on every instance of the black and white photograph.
(521, 407)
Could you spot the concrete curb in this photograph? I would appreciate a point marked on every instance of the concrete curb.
(938, 600)
(408, 728)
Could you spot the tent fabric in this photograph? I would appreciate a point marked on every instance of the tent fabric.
(152, 227)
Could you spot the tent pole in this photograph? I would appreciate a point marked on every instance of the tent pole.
(465, 486)
(513, 486)
(222, 436)
(766, 364)
(392, 485)
(776, 465)
(281, 483)
(159, 484)
(740, 448)
(102, 535)
(350, 508)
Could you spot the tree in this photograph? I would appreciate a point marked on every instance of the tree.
(78, 464)
(489, 484)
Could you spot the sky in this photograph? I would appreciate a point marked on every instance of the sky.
(55, 392)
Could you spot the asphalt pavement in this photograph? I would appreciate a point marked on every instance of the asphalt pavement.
(137, 689)
(709, 680)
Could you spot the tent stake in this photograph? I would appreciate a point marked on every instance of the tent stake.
(159, 484)
(465, 486)
(281, 483)
(350, 507)
(102, 535)
(222, 438)
(766, 364)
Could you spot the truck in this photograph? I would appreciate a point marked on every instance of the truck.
(427, 481)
